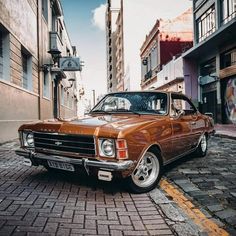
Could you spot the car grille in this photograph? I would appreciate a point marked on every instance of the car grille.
(65, 143)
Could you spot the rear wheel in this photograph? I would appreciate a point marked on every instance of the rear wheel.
(201, 150)
(147, 173)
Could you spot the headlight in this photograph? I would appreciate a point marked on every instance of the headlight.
(106, 147)
(28, 139)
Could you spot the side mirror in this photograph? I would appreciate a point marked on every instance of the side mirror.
(181, 113)
(209, 114)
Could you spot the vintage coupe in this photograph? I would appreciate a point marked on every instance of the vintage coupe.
(127, 134)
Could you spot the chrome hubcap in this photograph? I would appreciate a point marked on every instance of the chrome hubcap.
(147, 170)
(204, 143)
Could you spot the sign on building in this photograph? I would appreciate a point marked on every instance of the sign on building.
(70, 64)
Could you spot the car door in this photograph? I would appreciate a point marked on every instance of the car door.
(181, 125)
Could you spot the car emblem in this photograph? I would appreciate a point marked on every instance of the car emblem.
(58, 143)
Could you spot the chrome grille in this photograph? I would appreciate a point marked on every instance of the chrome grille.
(65, 143)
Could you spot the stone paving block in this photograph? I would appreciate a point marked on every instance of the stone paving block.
(116, 233)
(125, 220)
(103, 229)
(141, 233)
(121, 227)
(226, 213)
(84, 231)
(51, 228)
(40, 221)
(160, 232)
(29, 229)
(138, 225)
(215, 208)
(63, 232)
(7, 230)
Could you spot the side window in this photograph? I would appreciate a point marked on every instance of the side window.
(179, 104)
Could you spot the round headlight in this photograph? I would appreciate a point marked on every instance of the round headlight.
(30, 139)
(107, 147)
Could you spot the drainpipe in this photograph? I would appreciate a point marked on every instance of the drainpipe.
(39, 64)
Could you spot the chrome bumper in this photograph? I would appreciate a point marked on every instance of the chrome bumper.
(108, 165)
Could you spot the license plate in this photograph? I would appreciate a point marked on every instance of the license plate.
(61, 165)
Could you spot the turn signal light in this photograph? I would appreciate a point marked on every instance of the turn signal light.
(121, 144)
(122, 154)
(121, 149)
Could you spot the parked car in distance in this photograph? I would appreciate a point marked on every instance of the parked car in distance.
(131, 135)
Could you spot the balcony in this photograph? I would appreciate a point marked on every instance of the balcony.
(55, 46)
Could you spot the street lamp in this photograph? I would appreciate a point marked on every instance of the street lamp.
(71, 81)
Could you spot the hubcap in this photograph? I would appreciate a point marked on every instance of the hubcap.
(204, 143)
(147, 170)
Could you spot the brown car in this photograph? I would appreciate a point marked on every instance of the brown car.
(127, 134)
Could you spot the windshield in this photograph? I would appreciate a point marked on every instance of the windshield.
(133, 102)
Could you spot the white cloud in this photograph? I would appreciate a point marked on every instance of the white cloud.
(99, 17)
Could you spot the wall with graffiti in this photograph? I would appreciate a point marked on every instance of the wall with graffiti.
(230, 100)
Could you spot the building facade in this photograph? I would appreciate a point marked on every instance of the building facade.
(112, 12)
(213, 57)
(161, 63)
(126, 23)
(33, 37)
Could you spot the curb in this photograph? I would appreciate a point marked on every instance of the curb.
(224, 136)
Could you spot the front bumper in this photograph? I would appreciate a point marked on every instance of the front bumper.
(108, 165)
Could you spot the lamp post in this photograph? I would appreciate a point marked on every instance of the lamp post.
(93, 97)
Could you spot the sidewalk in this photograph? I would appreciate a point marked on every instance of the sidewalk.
(226, 130)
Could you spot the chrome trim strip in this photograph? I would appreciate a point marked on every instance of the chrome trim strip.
(118, 166)
(179, 156)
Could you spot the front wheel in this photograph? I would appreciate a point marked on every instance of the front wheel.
(146, 174)
(201, 150)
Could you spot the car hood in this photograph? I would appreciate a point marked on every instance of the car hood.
(100, 125)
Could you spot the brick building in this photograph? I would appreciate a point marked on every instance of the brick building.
(166, 41)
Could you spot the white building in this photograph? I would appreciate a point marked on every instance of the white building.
(133, 20)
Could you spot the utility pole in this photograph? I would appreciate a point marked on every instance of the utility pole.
(93, 97)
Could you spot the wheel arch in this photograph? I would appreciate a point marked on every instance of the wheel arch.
(155, 148)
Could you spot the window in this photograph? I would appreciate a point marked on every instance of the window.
(180, 103)
(25, 70)
(46, 85)
(206, 24)
(45, 9)
(228, 10)
(134, 102)
(1, 55)
(62, 96)
(228, 58)
(67, 99)
(154, 58)
(26, 61)
(4, 54)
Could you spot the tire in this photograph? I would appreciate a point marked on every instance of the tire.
(201, 150)
(147, 173)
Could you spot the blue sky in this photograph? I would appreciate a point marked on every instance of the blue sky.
(85, 20)
(89, 40)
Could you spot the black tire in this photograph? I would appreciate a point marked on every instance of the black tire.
(201, 150)
(147, 173)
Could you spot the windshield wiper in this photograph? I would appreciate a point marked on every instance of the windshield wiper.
(100, 111)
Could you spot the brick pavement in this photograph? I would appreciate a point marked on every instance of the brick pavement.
(36, 202)
(210, 181)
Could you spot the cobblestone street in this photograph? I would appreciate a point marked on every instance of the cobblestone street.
(34, 201)
(210, 181)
